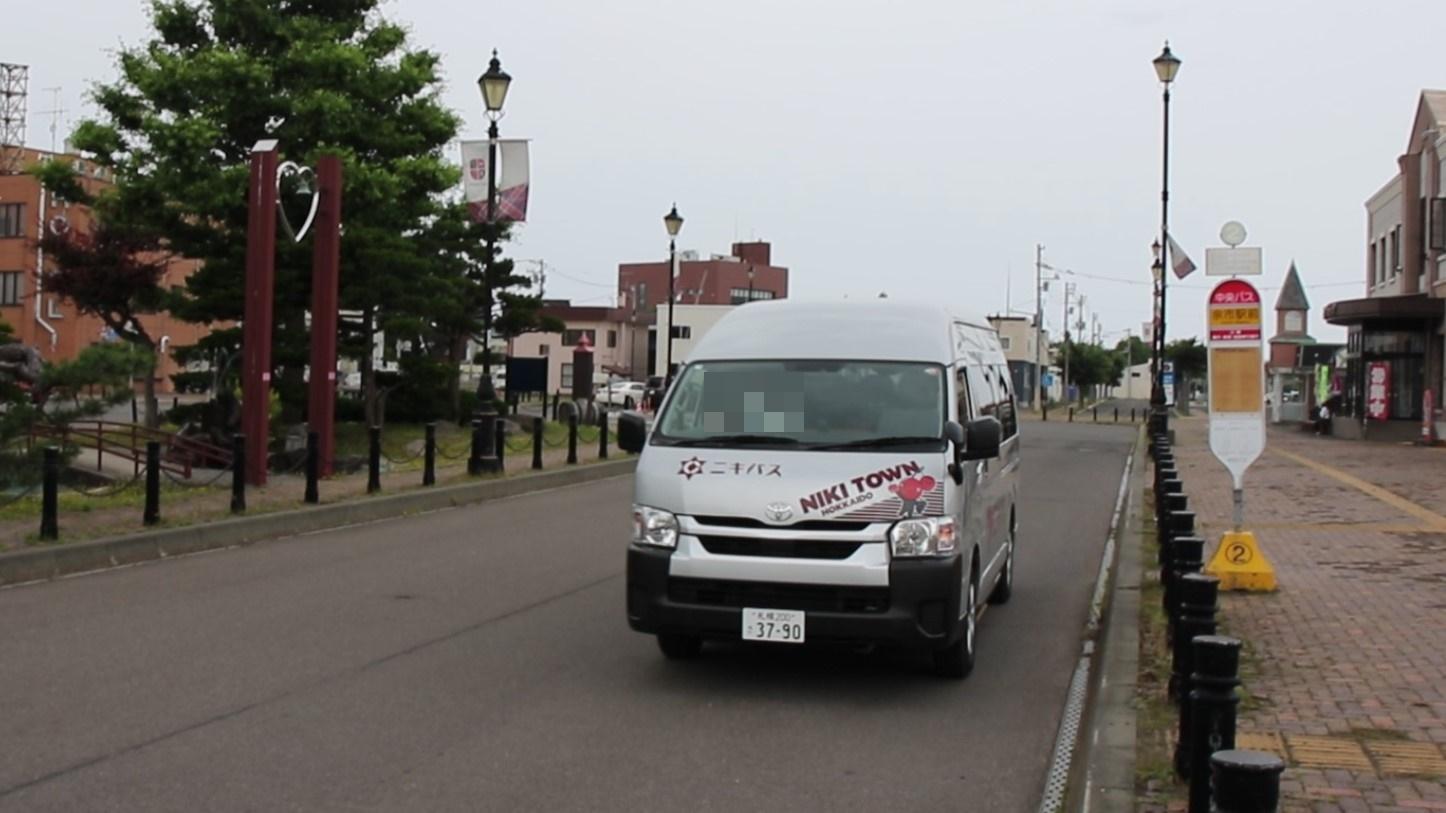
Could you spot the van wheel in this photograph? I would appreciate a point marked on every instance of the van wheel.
(957, 660)
(1004, 585)
(680, 647)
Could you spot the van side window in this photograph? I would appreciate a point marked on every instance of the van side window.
(1007, 417)
(981, 392)
(962, 404)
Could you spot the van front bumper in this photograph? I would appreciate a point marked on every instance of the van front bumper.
(920, 606)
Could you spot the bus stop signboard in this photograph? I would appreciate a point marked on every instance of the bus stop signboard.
(1237, 376)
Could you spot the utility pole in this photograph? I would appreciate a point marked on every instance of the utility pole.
(1068, 291)
(1038, 325)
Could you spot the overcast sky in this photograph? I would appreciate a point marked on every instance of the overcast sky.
(921, 148)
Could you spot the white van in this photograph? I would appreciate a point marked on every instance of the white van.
(828, 472)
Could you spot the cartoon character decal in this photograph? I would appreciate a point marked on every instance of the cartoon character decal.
(911, 493)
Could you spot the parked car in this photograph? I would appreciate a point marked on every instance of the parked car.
(626, 394)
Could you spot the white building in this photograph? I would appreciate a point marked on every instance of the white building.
(690, 323)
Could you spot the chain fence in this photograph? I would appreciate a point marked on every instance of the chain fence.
(186, 483)
(107, 491)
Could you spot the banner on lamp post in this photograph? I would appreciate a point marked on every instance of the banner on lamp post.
(513, 179)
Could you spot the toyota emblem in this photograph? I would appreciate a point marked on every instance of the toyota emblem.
(779, 512)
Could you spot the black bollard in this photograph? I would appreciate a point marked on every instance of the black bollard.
(1043, 410)
(238, 474)
(556, 399)
(1094, 414)
(152, 513)
(1132, 414)
(602, 434)
(374, 459)
(1197, 596)
(1071, 414)
(537, 444)
(499, 440)
(474, 460)
(429, 456)
(50, 495)
(1212, 700)
(572, 438)
(135, 418)
(1180, 524)
(1245, 781)
(1186, 554)
(313, 467)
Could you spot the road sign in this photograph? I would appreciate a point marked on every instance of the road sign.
(1237, 376)
(1232, 262)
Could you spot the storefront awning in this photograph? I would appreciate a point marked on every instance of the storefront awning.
(1414, 307)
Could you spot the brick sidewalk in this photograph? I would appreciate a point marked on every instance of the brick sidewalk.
(1345, 666)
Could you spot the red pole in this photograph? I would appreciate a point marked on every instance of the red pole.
(256, 327)
(325, 270)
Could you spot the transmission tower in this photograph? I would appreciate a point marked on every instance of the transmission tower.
(13, 82)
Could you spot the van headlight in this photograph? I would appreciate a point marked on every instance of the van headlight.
(652, 526)
(924, 536)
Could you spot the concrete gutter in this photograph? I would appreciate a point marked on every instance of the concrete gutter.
(1108, 780)
(42, 563)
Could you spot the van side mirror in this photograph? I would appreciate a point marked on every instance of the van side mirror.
(982, 439)
(955, 434)
(632, 432)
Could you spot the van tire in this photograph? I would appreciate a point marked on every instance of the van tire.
(1004, 584)
(680, 647)
(627, 402)
(956, 661)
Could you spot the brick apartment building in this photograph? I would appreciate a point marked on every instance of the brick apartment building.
(45, 322)
(746, 274)
(1395, 333)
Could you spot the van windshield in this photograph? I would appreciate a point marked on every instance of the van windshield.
(820, 405)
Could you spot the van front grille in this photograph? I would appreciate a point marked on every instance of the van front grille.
(784, 548)
(775, 596)
(804, 525)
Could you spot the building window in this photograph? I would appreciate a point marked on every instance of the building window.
(737, 296)
(1004, 343)
(572, 337)
(566, 382)
(10, 287)
(1396, 251)
(542, 349)
(12, 220)
(682, 331)
(612, 338)
(1374, 271)
(1438, 225)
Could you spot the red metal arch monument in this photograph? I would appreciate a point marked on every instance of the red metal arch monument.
(262, 216)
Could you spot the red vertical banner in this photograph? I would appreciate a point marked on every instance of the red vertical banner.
(1378, 388)
(325, 274)
(256, 324)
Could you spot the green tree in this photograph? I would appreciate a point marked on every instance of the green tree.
(177, 126)
(1133, 350)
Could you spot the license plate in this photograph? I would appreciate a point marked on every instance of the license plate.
(774, 626)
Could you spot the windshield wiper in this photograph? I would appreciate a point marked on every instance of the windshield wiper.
(741, 440)
(880, 443)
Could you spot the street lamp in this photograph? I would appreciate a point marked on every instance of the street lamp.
(1167, 65)
(750, 282)
(674, 223)
(493, 84)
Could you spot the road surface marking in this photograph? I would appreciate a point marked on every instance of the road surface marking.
(1435, 520)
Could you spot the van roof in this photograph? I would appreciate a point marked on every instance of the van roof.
(877, 330)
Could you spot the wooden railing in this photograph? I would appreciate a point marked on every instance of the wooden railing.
(127, 441)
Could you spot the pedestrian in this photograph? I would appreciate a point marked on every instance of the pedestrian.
(1323, 419)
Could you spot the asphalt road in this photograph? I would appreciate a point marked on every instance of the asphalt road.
(479, 658)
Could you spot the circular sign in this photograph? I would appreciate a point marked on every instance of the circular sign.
(1232, 233)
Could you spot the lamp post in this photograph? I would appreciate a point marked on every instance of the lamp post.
(674, 223)
(750, 282)
(1167, 65)
(493, 84)
(1156, 276)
